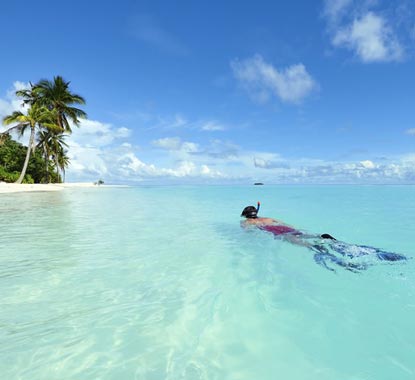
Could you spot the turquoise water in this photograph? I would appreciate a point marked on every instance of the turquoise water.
(162, 283)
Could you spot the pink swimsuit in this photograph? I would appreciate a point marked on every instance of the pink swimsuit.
(280, 230)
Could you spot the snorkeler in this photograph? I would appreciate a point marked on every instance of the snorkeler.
(325, 247)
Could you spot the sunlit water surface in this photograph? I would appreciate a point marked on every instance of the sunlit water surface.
(162, 283)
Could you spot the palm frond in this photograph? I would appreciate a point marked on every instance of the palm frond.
(15, 117)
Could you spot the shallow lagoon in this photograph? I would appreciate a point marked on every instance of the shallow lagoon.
(162, 283)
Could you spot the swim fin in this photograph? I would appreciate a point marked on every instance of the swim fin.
(327, 236)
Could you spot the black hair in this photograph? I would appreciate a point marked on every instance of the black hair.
(249, 212)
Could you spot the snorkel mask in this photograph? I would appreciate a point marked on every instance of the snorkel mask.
(250, 212)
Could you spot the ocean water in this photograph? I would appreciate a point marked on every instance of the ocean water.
(162, 283)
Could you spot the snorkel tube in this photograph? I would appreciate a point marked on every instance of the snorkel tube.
(258, 205)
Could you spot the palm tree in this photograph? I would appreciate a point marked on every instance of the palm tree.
(63, 162)
(36, 118)
(53, 145)
(42, 137)
(57, 95)
(29, 96)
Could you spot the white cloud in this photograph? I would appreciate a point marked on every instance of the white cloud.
(411, 131)
(262, 79)
(224, 161)
(11, 103)
(205, 170)
(169, 143)
(131, 166)
(334, 9)
(86, 162)
(212, 126)
(93, 133)
(367, 164)
(392, 170)
(190, 169)
(185, 169)
(370, 38)
(129, 163)
(175, 144)
(122, 132)
(265, 163)
(91, 148)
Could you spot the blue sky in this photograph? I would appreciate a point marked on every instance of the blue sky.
(225, 92)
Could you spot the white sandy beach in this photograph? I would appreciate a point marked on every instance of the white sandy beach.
(18, 188)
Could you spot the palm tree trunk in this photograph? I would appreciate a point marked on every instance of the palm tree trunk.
(57, 169)
(26, 161)
(46, 155)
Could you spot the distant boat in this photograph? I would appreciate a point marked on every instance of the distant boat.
(258, 183)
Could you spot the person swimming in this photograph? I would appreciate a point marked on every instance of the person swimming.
(274, 226)
(325, 247)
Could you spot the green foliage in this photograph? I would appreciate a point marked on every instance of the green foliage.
(57, 95)
(12, 156)
(8, 177)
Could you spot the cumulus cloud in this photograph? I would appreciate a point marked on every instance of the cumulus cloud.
(224, 161)
(263, 80)
(92, 146)
(86, 162)
(367, 164)
(392, 170)
(131, 166)
(370, 38)
(371, 33)
(220, 161)
(94, 133)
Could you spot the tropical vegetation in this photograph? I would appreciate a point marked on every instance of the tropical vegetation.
(50, 109)
(12, 158)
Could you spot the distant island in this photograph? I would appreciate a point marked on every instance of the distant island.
(258, 183)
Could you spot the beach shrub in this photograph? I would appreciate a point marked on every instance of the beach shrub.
(28, 179)
(12, 177)
(12, 156)
(8, 177)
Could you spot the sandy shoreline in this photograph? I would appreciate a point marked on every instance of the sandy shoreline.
(19, 188)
